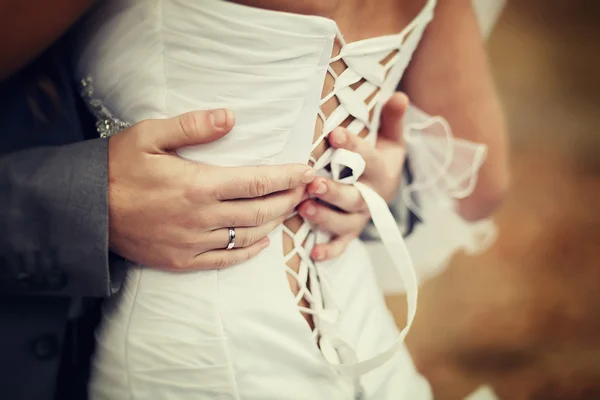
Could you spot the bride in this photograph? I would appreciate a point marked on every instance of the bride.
(302, 78)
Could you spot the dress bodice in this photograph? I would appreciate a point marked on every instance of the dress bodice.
(157, 59)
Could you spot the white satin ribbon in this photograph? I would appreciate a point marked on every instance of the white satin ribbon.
(390, 234)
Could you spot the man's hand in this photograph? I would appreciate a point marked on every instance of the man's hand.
(167, 212)
(382, 173)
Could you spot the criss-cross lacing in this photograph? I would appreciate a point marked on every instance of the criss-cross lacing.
(359, 92)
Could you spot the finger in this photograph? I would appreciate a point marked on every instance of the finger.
(259, 211)
(333, 249)
(336, 222)
(244, 237)
(345, 197)
(192, 128)
(341, 138)
(392, 117)
(258, 181)
(219, 259)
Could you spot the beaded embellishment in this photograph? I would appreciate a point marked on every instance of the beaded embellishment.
(107, 124)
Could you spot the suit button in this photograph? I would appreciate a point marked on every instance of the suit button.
(46, 347)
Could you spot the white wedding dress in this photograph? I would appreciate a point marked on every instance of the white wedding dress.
(238, 333)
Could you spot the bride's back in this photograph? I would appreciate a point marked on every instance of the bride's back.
(290, 77)
(153, 59)
(275, 63)
(357, 19)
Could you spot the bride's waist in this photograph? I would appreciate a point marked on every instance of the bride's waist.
(260, 277)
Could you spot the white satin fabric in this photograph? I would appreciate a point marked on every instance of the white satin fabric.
(444, 171)
(237, 333)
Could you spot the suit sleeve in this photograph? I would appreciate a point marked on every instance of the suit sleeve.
(54, 221)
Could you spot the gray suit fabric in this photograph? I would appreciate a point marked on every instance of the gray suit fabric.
(53, 232)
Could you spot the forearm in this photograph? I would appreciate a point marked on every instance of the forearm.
(27, 27)
(449, 76)
(54, 221)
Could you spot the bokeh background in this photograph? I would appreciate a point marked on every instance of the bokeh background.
(524, 317)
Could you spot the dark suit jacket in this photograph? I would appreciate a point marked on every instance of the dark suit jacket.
(53, 232)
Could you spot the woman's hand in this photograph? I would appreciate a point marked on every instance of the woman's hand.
(349, 214)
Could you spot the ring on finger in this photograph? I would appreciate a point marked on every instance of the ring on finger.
(231, 243)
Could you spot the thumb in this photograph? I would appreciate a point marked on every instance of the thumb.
(192, 128)
(392, 118)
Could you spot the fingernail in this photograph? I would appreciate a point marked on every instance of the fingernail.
(339, 136)
(321, 188)
(404, 98)
(310, 210)
(264, 242)
(219, 117)
(309, 176)
(318, 255)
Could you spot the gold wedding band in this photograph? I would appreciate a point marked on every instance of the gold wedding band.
(231, 243)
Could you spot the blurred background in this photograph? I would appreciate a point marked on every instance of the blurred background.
(524, 317)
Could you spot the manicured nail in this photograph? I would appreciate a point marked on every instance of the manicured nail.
(219, 117)
(403, 98)
(318, 255)
(321, 188)
(339, 136)
(309, 176)
(310, 210)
